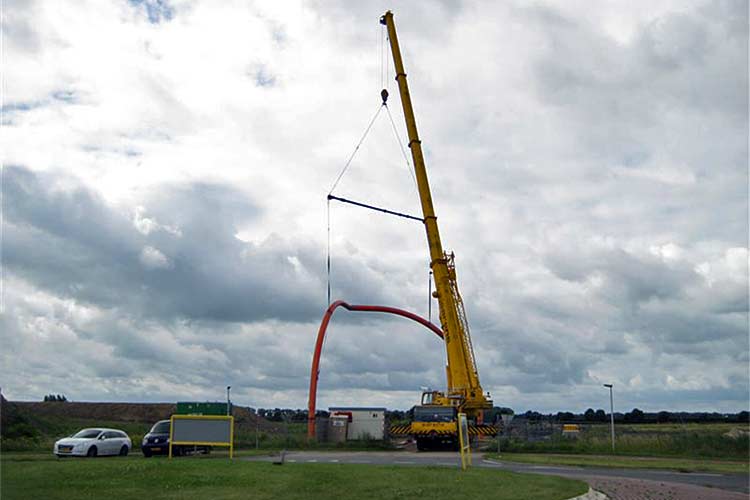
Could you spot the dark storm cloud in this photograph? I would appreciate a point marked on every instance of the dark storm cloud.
(679, 61)
(669, 304)
(187, 264)
(629, 280)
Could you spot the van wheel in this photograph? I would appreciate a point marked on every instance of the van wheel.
(124, 451)
(92, 452)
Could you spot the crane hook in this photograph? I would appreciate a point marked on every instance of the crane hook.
(384, 95)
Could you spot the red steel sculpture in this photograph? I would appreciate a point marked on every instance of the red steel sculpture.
(315, 371)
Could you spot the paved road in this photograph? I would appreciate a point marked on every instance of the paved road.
(730, 482)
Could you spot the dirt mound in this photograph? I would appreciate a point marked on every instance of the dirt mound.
(8, 411)
(146, 413)
(115, 412)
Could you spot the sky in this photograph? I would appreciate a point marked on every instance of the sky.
(165, 166)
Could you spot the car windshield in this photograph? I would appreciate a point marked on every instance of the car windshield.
(161, 428)
(87, 433)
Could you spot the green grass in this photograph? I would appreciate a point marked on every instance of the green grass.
(697, 441)
(677, 464)
(28, 475)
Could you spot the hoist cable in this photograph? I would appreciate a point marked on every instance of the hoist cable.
(372, 207)
(387, 65)
(349, 161)
(401, 146)
(382, 77)
(328, 251)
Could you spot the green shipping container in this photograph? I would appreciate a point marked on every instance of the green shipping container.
(190, 408)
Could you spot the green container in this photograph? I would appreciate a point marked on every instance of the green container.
(191, 408)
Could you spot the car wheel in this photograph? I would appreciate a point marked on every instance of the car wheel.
(92, 452)
(124, 451)
(147, 453)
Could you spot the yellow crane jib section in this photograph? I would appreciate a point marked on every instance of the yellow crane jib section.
(464, 390)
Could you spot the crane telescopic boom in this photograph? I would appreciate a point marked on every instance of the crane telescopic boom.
(464, 390)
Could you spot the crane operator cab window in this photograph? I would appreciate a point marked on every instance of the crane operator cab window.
(434, 414)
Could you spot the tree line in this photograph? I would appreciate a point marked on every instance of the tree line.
(590, 415)
(55, 397)
(637, 416)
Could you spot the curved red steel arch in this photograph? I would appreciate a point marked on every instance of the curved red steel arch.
(315, 371)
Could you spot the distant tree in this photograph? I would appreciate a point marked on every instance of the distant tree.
(635, 416)
(743, 416)
(663, 417)
(601, 416)
(589, 415)
(395, 414)
(564, 416)
(533, 415)
(55, 397)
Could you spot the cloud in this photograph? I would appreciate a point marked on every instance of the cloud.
(165, 223)
(153, 259)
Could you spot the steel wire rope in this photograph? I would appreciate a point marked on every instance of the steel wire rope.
(382, 77)
(328, 249)
(351, 157)
(401, 146)
(328, 210)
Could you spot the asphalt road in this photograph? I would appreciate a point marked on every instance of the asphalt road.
(731, 482)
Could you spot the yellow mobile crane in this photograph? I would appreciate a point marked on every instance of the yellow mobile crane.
(435, 418)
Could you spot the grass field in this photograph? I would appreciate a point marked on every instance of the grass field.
(27, 475)
(677, 464)
(695, 441)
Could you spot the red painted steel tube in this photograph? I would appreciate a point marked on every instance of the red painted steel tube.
(315, 371)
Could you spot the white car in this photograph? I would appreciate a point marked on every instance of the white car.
(94, 442)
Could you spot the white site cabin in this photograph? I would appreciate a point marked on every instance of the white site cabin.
(364, 422)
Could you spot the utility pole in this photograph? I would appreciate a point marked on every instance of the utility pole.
(229, 403)
(612, 415)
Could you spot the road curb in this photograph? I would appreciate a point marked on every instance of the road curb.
(591, 495)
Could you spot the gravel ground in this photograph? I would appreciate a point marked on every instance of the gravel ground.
(640, 489)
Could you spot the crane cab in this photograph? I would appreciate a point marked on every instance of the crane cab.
(434, 426)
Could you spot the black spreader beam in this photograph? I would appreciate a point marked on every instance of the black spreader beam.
(377, 209)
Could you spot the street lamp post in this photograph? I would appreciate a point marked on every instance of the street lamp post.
(229, 403)
(611, 415)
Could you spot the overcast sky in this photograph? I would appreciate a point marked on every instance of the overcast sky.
(166, 163)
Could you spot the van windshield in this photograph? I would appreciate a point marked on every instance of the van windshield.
(160, 428)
